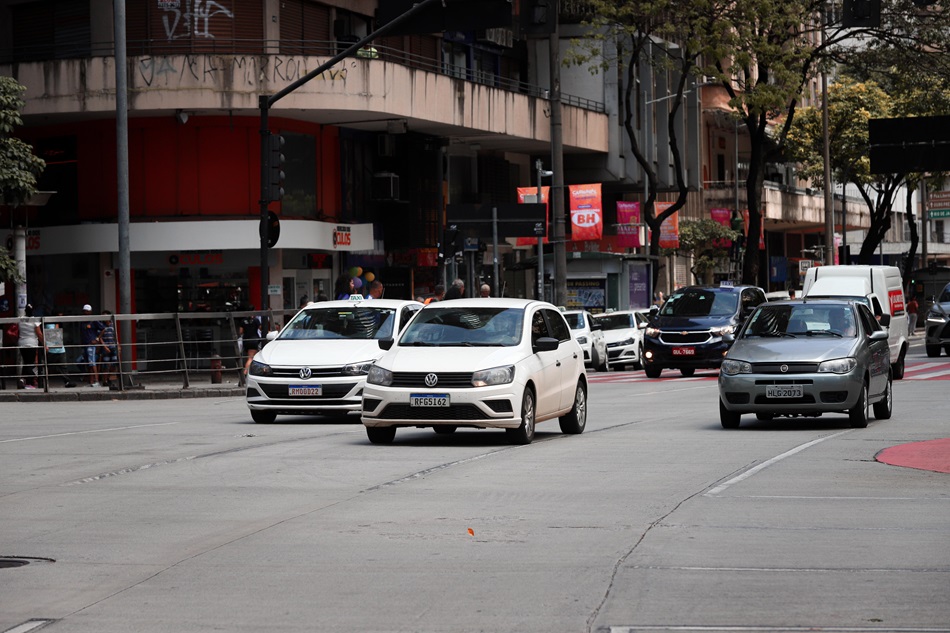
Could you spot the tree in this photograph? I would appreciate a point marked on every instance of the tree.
(704, 240)
(19, 168)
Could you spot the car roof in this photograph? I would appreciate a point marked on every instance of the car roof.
(362, 303)
(630, 311)
(490, 302)
(716, 288)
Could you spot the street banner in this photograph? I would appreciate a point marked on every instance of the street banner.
(745, 221)
(723, 217)
(587, 218)
(670, 229)
(533, 192)
(628, 224)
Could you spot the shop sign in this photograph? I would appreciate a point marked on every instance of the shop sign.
(196, 259)
(274, 290)
(428, 257)
(32, 240)
(587, 294)
(342, 236)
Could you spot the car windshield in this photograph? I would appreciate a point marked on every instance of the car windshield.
(700, 302)
(340, 323)
(616, 321)
(465, 327)
(795, 320)
(575, 320)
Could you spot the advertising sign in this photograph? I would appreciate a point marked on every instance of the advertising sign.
(628, 224)
(723, 217)
(587, 217)
(640, 279)
(533, 193)
(670, 229)
(587, 294)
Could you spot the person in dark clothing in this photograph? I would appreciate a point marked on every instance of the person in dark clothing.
(89, 332)
(457, 291)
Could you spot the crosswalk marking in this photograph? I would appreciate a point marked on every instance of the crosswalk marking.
(913, 370)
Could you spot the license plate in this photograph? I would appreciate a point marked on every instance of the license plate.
(785, 391)
(684, 351)
(305, 390)
(429, 400)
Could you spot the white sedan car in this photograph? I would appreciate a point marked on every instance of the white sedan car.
(623, 331)
(589, 337)
(483, 363)
(317, 364)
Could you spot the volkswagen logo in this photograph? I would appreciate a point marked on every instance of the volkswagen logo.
(431, 380)
(305, 373)
(783, 368)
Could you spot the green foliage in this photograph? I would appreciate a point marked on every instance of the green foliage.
(19, 168)
(703, 239)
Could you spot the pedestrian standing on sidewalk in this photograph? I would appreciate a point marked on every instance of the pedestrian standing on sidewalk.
(31, 337)
(53, 337)
(89, 337)
(108, 348)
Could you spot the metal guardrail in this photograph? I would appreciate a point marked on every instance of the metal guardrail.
(175, 347)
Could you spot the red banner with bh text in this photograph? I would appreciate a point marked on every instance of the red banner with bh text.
(587, 217)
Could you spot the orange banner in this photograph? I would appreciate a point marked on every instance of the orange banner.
(670, 229)
(533, 191)
(587, 217)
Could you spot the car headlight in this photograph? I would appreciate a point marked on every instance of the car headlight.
(652, 332)
(494, 376)
(627, 341)
(837, 366)
(358, 369)
(722, 331)
(258, 368)
(939, 317)
(732, 367)
(379, 376)
(582, 340)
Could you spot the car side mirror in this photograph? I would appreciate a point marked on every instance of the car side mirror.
(386, 344)
(545, 344)
(597, 326)
(642, 325)
(885, 320)
(878, 335)
(271, 335)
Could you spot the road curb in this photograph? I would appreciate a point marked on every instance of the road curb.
(106, 395)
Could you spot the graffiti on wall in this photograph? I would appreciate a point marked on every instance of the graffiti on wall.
(186, 70)
(193, 20)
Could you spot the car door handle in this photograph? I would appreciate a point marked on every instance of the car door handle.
(558, 364)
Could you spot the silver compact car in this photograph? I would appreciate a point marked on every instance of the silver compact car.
(938, 325)
(806, 358)
(318, 362)
(480, 363)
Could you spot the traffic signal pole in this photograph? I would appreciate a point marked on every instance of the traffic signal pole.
(265, 102)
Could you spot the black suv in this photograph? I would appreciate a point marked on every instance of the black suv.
(695, 327)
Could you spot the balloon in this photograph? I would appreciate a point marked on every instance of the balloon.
(359, 271)
(357, 283)
(370, 276)
(354, 271)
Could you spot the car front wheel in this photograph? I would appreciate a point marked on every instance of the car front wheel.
(728, 419)
(858, 416)
(263, 417)
(381, 434)
(652, 371)
(933, 351)
(885, 407)
(687, 371)
(575, 421)
(524, 434)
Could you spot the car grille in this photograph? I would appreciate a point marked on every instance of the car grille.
(329, 391)
(684, 338)
(777, 381)
(806, 399)
(454, 412)
(617, 344)
(418, 379)
(499, 406)
(315, 372)
(791, 368)
(614, 353)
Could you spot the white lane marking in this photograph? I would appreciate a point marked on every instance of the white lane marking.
(773, 629)
(29, 625)
(934, 374)
(721, 487)
(117, 428)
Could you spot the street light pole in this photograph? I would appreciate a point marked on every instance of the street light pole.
(542, 173)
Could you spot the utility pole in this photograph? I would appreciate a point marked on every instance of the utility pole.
(556, 197)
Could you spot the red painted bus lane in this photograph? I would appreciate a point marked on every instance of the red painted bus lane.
(930, 455)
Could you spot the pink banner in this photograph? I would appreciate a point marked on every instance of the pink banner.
(628, 220)
(723, 217)
(587, 218)
(533, 191)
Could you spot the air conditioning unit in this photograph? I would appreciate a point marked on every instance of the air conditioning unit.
(385, 186)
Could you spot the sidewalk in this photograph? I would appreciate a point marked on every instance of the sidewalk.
(146, 388)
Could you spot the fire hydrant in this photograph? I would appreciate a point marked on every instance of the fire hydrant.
(215, 369)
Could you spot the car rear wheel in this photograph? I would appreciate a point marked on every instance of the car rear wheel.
(600, 362)
(381, 434)
(885, 407)
(933, 351)
(858, 416)
(524, 434)
(263, 417)
(575, 421)
(445, 429)
(652, 371)
(687, 371)
(728, 419)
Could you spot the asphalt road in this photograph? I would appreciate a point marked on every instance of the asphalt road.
(182, 515)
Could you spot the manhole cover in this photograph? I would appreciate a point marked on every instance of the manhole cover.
(8, 562)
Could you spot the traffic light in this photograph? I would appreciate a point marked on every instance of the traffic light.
(932, 267)
(275, 167)
(270, 229)
(861, 13)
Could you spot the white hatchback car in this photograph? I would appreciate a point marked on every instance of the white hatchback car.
(589, 337)
(317, 364)
(623, 331)
(483, 363)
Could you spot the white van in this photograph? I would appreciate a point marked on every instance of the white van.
(880, 287)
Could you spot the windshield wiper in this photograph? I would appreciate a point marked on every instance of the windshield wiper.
(822, 332)
(775, 334)
(420, 344)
